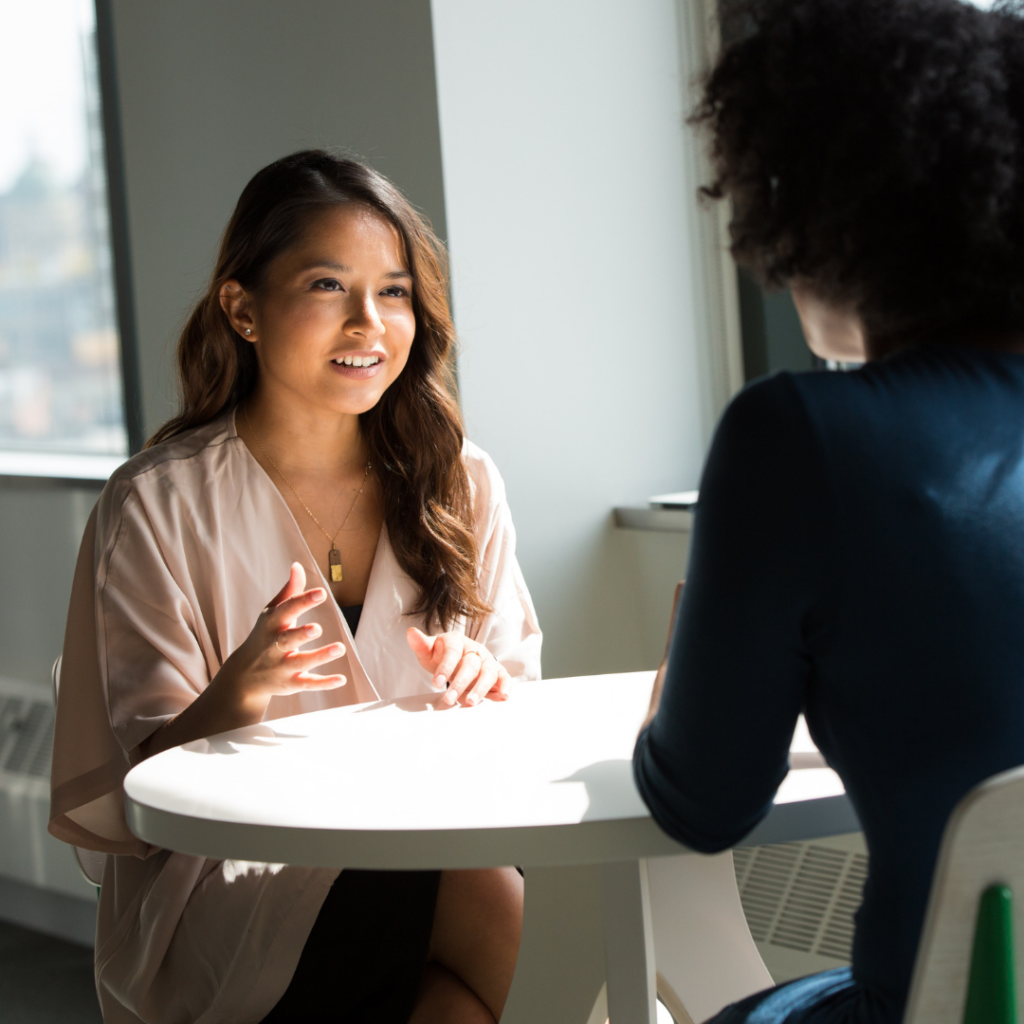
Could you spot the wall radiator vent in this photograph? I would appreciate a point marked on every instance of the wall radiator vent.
(26, 736)
(802, 896)
(28, 853)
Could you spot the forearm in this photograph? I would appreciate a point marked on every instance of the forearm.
(219, 708)
(659, 679)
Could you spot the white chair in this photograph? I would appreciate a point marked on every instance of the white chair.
(705, 954)
(90, 862)
(981, 859)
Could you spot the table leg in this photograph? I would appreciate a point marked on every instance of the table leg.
(628, 943)
(561, 956)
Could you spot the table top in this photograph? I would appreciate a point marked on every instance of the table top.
(542, 779)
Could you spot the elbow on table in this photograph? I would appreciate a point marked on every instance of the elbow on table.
(696, 824)
(703, 833)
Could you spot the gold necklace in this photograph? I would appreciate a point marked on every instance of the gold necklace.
(334, 558)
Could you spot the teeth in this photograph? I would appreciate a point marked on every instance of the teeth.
(358, 361)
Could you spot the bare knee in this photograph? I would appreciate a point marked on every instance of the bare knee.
(476, 931)
(445, 999)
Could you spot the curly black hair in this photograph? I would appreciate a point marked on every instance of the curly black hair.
(874, 149)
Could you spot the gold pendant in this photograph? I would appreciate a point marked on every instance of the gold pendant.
(335, 561)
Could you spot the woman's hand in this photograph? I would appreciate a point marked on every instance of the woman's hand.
(268, 664)
(469, 669)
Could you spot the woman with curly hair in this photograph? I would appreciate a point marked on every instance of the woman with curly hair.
(318, 440)
(857, 550)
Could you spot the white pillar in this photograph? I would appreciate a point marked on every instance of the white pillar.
(592, 361)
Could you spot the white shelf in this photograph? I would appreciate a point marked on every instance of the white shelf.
(666, 520)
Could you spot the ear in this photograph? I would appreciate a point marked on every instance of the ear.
(237, 305)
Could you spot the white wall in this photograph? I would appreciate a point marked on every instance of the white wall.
(212, 90)
(580, 294)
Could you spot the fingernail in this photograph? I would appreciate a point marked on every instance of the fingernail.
(313, 629)
(450, 697)
(319, 594)
(474, 698)
(440, 682)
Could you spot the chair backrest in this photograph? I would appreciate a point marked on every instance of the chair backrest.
(983, 846)
(90, 862)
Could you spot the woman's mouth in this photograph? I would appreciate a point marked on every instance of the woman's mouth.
(358, 366)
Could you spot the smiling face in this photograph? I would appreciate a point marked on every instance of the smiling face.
(333, 319)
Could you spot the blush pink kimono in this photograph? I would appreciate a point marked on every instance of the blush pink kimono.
(188, 542)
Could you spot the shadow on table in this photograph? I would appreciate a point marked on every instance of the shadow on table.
(265, 735)
(418, 702)
(253, 736)
(611, 791)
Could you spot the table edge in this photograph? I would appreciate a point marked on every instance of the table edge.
(586, 842)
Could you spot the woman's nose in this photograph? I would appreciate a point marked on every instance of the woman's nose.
(363, 316)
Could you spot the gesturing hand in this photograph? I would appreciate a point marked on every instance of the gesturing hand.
(469, 669)
(269, 662)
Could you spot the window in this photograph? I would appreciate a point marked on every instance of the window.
(61, 393)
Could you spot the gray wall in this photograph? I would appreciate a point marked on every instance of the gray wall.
(40, 528)
(212, 90)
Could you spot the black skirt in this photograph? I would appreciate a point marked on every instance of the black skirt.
(364, 958)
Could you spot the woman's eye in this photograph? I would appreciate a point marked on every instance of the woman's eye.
(395, 291)
(327, 284)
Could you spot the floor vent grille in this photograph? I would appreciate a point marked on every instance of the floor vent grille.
(26, 736)
(801, 896)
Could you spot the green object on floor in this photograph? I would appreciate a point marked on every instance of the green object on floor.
(992, 987)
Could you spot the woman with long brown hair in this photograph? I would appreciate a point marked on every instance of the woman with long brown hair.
(318, 440)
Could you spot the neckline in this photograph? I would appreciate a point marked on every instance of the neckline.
(311, 561)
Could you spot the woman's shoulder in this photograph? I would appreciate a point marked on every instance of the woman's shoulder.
(797, 401)
(481, 467)
(767, 405)
(191, 455)
(485, 481)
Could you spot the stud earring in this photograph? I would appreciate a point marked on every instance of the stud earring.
(247, 331)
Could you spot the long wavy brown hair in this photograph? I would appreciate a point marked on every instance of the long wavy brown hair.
(414, 434)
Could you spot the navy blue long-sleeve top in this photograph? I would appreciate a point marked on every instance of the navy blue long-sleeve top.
(858, 556)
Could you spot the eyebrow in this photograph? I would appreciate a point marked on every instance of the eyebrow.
(343, 268)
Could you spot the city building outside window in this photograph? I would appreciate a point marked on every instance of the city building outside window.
(61, 389)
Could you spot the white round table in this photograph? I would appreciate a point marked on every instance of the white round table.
(543, 781)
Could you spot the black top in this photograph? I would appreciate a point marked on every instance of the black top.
(858, 555)
(352, 614)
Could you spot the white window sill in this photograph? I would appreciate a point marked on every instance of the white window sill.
(667, 513)
(59, 465)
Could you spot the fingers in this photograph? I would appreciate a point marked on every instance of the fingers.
(500, 690)
(310, 681)
(284, 614)
(452, 649)
(298, 662)
(295, 585)
(422, 646)
(292, 639)
(483, 683)
(465, 676)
